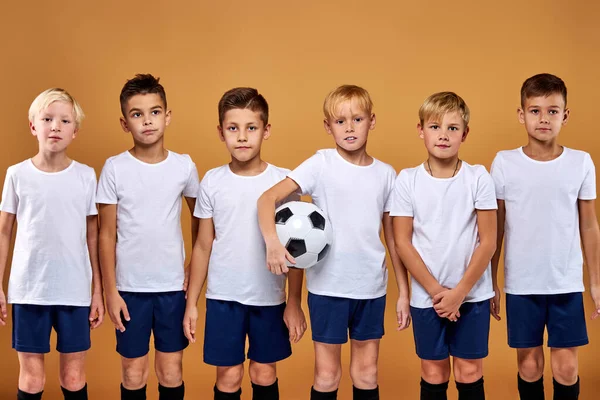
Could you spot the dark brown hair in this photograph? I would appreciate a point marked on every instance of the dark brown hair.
(543, 85)
(244, 98)
(141, 84)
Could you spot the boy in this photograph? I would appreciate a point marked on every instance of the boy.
(347, 290)
(55, 259)
(243, 298)
(546, 203)
(139, 193)
(445, 232)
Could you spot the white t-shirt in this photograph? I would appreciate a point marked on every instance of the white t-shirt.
(51, 263)
(542, 250)
(150, 252)
(238, 267)
(354, 198)
(445, 231)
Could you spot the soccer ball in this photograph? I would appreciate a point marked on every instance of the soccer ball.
(305, 231)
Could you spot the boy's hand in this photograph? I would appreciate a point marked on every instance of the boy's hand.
(96, 311)
(276, 257)
(293, 316)
(595, 292)
(116, 306)
(447, 304)
(403, 313)
(189, 323)
(186, 279)
(495, 304)
(3, 309)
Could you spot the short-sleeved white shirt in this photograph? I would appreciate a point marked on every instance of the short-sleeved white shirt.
(542, 249)
(150, 250)
(354, 198)
(445, 231)
(51, 263)
(237, 269)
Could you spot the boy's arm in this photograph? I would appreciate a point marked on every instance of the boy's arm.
(293, 315)
(115, 304)
(448, 302)
(198, 271)
(7, 223)
(501, 217)
(403, 304)
(590, 239)
(276, 252)
(97, 308)
(191, 203)
(403, 230)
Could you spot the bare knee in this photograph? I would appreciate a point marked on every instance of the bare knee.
(435, 372)
(229, 379)
(327, 377)
(72, 378)
(564, 366)
(135, 372)
(169, 374)
(531, 364)
(32, 376)
(364, 374)
(467, 371)
(263, 374)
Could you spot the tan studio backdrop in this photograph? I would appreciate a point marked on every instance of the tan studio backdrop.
(294, 53)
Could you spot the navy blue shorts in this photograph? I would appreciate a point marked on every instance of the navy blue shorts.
(32, 325)
(158, 313)
(332, 317)
(438, 338)
(229, 322)
(562, 314)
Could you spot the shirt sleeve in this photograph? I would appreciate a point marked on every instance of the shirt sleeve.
(498, 177)
(10, 200)
(91, 194)
(107, 186)
(588, 187)
(401, 203)
(389, 190)
(485, 195)
(192, 185)
(204, 207)
(307, 174)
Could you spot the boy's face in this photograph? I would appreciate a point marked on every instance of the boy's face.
(351, 125)
(443, 138)
(146, 118)
(243, 131)
(55, 127)
(544, 116)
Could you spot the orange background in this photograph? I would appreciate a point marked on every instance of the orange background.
(294, 53)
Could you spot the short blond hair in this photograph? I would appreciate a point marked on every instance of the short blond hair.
(439, 104)
(346, 93)
(49, 96)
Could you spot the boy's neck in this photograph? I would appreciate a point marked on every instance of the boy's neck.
(252, 167)
(51, 162)
(152, 154)
(542, 151)
(358, 157)
(443, 168)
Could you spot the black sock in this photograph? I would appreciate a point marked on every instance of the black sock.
(563, 392)
(171, 393)
(21, 395)
(471, 391)
(80, 394)
(365, 394)
(227, 396)
(430, 391)
(270, 392)
(315, 395)
(531, 390)
(136, 394)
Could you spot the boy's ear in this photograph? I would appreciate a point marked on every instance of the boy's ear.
(75, 132)
(566, 115)
(267, 132)
(521, 115)
(465, 134)
(326, 126)
(420, 130)
(124, 124)
(167, 117)
(372, 124)
(220, 132)
(32, 128)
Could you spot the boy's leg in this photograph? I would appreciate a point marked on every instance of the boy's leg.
(169, 371)
(363, 368)
(435, 375)
(229, 382)
(328, 371)
(468, 375)
(72, 376)
(32, 376)
(264, 381)
(134, 375)
(565, 371)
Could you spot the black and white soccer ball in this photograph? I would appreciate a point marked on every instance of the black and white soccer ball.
(305, 231)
